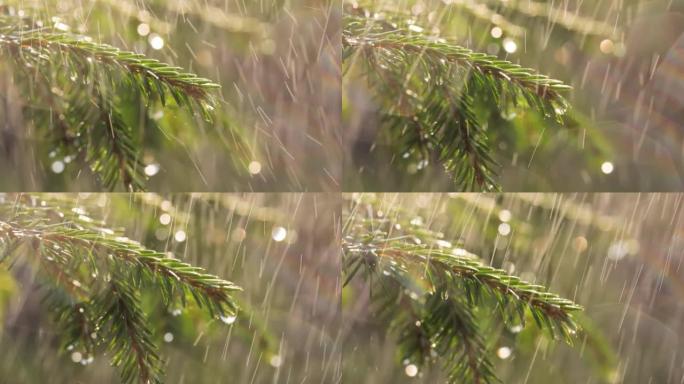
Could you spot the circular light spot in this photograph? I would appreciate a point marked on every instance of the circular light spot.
(607, 167)
(504, 229)
(76, 357)
(161, 234)
(168, 337)
(57, 167)
(156, 41)
(496, 32)
(607, 46)
(151, 169)
(411, 370)
(510, 46)
(276, 361)
(505, 215)
(504, 353)
(239, 234)
(143, 29)
(580, 244)
(278, 234)
(165, 219)
(166, 205)
(254, 167)
(180, 236)
(620, 249)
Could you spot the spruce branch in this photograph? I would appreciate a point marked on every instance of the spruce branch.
(156, 76)
(95, 277)
(78, 89)
(435, 85)
(125, 325)
(432, 294)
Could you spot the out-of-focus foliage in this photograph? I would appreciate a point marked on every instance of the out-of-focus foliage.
(619, 133)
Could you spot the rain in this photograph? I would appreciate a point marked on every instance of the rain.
(272, 124)
(620, 130)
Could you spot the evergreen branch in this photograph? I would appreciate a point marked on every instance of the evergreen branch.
(430, 294)
(435, 82)
(42, 42)
(95, 278)
(86, 85)
(175, 278)
(457, 337)
(112, 154)
(482, 67)
(124, 323)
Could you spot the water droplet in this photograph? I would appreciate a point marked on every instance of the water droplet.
(497, 32)
(180, 236)
(411, 370)
(504, 353)
(620, 249)
(415, 28)
(516, 328)
(228, 319)
(176, 312)
(580, 244)
(168, 337)
(156, 41)
(165, 219)
(509, 45)
(61, 26)
(607, 167)
(57, 167)
(505, 215)
(443, 244)
(152, 169)
(239, 234)
(143, 29)
(166, 205)
(278, 234)
(254, 167)
(504, 229)
(607, 46)
(76, 357)
(276, 361)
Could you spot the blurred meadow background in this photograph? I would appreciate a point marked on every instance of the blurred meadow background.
(274, 127)
(623, 129)
(617, 255)
(282, 249)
